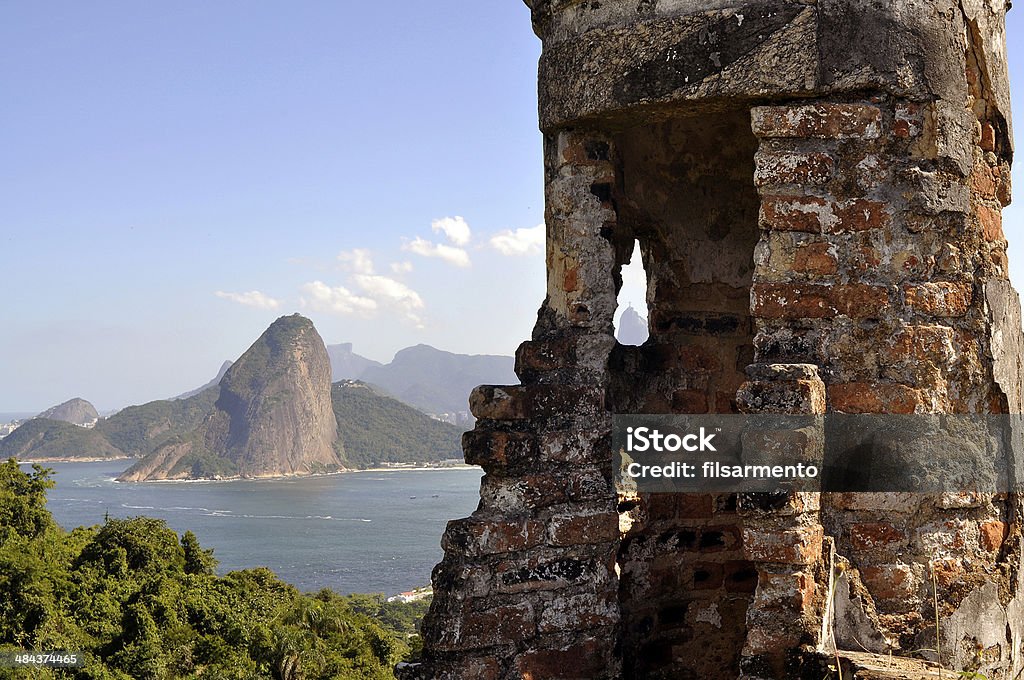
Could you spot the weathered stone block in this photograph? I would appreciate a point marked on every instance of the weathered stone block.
(941, 298)
(521, 402)
(822, 120)
(475, 537)
(573, 613)
(789, 591)
(798, 397)
(582, 529)
(497, 450)
(817, 259)
(875, 398)
(890, 581)
(539, 356)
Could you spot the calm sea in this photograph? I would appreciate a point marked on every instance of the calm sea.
(362, 532)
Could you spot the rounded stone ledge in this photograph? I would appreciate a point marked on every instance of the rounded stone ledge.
(782, 372)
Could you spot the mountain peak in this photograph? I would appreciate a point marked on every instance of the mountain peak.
(273, 415)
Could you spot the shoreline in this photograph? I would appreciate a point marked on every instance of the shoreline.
(416, 468)
(65, 459)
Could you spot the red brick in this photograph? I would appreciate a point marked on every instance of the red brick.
(689, 401)
(791, 546)
(706, 576)
(586, 659)
(993, 533)
(948, 571)
(874, 398)
(815, 258)
(860, 214)
(991, 223)
(822, 120)
(697, 359)
(988, 137)
(794, 213)
(983, 183)
(859, 301)
(941, 298)
(868, 535)
(793, 168)
(814, 301)
(570, 279)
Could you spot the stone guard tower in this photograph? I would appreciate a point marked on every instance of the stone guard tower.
(815, 187)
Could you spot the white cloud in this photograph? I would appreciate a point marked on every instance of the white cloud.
(375, 293)
(252, 298)
(401, 267)
(392, 294)
(339, 300)
(526, 241)
(357, 260)
(450, 254)
(455, 229)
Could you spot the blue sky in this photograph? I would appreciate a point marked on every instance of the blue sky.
(174, 176)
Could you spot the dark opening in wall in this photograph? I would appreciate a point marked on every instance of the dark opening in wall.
(685, 193)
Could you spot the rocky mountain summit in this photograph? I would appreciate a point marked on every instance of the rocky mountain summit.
(75, 411)
(273, 416)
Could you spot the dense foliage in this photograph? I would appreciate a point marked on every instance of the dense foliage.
(373, 429)
(137, 602)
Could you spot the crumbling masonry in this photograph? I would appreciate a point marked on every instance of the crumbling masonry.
(816, 188)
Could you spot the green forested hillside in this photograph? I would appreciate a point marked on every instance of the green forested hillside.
(139, 430)
(373, 429)
(136, 602)
(45, 438)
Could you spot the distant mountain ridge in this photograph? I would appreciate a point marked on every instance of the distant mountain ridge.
(232, 427)
(437, 381)
(432, 380)
(346, 364)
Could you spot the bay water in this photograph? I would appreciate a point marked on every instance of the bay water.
(362, 532)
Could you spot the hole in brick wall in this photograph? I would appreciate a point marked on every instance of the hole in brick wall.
(684, 195)
(712, 539)
(631, 316)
